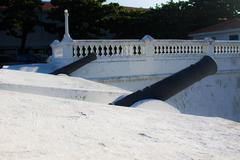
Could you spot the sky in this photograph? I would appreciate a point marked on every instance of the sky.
(137, 3)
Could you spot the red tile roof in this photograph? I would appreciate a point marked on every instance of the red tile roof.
(226, 25)
(47, 6)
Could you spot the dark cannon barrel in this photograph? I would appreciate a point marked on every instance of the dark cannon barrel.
(170, 86)
(68, 69)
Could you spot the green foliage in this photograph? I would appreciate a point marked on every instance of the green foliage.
(84, 19)
(125, 22)
(208, 12)
(93, 19)
(178, 19)
(20, 17)
(96, 19)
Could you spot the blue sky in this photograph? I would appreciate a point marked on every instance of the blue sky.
(137, 3)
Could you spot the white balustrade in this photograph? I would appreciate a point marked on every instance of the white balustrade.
(136, 48)
(107, 48)
(227, 47)
(172, 47)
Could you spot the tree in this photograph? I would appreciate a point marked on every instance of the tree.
(209, 12)
(178, 19)
(84, 19)
(19, 18)
(95, 19)
(124, 22)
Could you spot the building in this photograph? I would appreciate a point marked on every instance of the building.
(227, 30)
(37, 41)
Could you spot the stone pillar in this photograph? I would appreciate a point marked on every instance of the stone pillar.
(209, 49)
(148, 45)
(63, 51)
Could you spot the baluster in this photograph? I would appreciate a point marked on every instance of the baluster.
(219, 49)
(195, 49)
(180, 49)
(188, 49)
(155, 49)
(166, 49)
(100, 51)
(216, 49)
(235, 49)
(105, 50)
(177, 50)
(115, 51)
(163, 50)
(128, 50)
(185, 50)
(110, 50)
(75, 51)
(159, 50)
(94, 49)
(134, 50)
(174, 49)
(222, 49)
(139, 50)
(89, 50)
(84, 51)
(121, 50)
(226, 49)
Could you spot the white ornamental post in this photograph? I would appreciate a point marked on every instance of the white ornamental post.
(209, 50)
(148, 45)
(63, 51)
(67, 43)
(66, 37)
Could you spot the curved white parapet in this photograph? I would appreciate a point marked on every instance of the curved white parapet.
(155, 105)
(59, 86)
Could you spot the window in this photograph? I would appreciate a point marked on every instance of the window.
(234, 37)
(214, 38)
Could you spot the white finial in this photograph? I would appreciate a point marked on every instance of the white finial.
(66, 37)
(147, 38)
(66, 11)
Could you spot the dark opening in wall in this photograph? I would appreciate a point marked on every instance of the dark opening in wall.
(234, 37)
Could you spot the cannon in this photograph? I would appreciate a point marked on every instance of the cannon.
(68, 69)
(170, 86)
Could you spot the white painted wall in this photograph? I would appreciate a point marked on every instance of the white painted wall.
(215, 96)
(220, 35)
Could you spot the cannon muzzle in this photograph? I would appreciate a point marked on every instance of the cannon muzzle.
(170, 86)
(68, 69)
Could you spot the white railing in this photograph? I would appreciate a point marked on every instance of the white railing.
(129, 48)
(179, 47)
(107, 48)
(226, 47)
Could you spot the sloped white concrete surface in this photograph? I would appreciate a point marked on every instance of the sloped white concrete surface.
(36, 127)
(59, 86)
